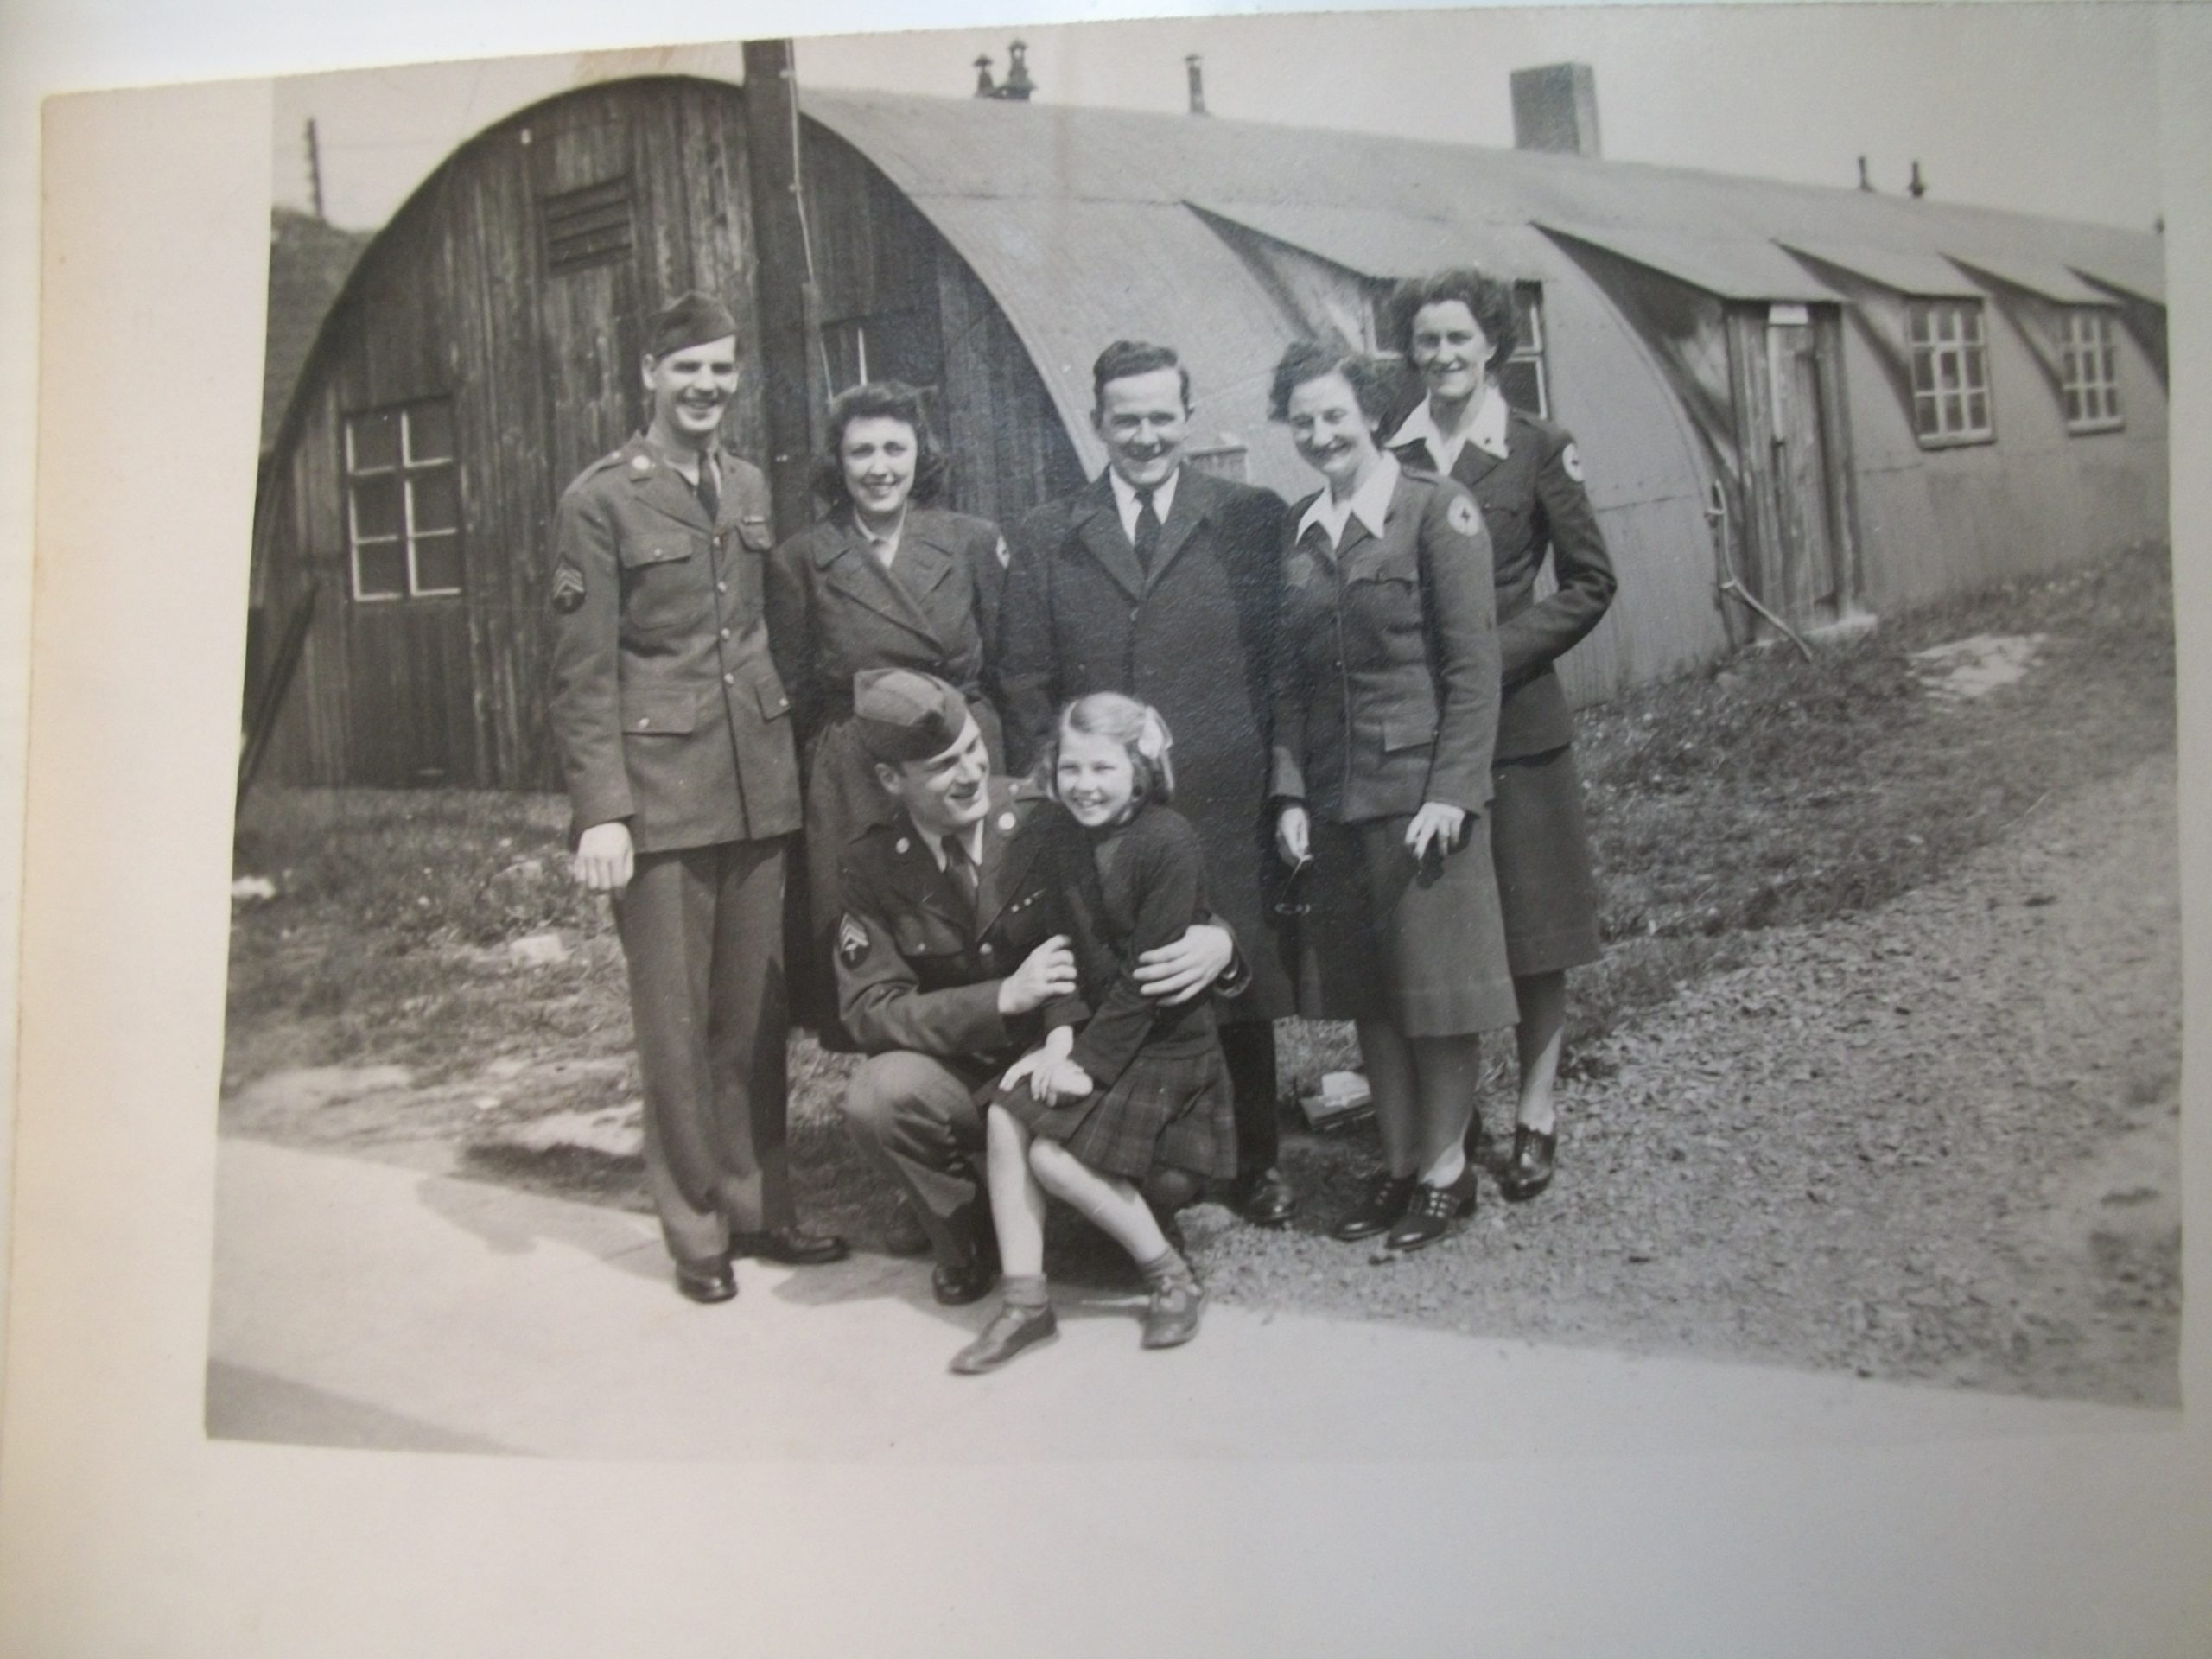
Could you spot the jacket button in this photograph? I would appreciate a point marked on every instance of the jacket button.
(722, 587)
(724, 633)
(729, 679)
(985, 947)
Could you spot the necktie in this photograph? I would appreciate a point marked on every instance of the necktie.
(1147, 535)
(961, 867)
(711, 497)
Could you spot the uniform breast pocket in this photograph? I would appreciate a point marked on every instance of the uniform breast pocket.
(1024, 923)
(1386, 596)
(665, 588)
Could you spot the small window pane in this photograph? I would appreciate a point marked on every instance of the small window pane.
(1977, 411)
(375, 440)
(436, 499)
(376, 507)
(382, 571)
(437, 564)
(1954, 413)
(430, 432)
(1947, 369)
(1970, 322)
(1923, 372)
(1973, 364)
(2073, 404)
(1919, 325)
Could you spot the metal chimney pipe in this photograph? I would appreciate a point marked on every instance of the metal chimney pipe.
(1196, 66)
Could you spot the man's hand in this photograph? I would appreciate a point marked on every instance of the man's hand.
(1060, 1080)
(1175, 973)
(605, 859)
(1293, 836)
(1437, 825)
(1047, 972)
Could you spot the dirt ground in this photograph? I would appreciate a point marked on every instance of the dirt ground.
(1936, 1138)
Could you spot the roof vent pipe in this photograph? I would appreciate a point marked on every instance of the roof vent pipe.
(1196, 66)
(1018, 85)
(1918, 187)
(1865, 183)
(1555, 109)
(985, 87)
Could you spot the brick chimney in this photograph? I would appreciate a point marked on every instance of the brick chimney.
(1555, 108)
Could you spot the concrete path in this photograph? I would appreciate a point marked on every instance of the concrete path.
(356, 1304)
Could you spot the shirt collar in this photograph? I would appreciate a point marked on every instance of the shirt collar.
(973, 836)
(1487, 431)
(1125, 498)
(685, 463)
(1369, 504)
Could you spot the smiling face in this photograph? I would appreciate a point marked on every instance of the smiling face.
(1451, 350)
(1331, 429)
(946, 792)
(1094, 780)
(1143, 422)
(691, 388)
(878, 455)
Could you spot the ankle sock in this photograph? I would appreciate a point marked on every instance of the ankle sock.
(1025, 1291)
(1165, 1269)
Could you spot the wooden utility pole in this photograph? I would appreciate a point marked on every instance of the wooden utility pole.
(790, 372)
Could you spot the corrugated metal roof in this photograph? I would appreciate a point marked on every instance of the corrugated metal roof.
(1376, 243)
(2052, 281)
(1904, 271)
(1735, 267)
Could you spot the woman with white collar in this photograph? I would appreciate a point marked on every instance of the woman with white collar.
(1455, 327)
(1385, 710)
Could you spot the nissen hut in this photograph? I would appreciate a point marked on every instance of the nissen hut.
(1805, 403)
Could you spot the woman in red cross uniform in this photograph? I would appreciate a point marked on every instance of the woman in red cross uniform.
(1456, 328)
(886, 581)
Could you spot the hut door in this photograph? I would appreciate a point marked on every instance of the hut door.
(1808, 566)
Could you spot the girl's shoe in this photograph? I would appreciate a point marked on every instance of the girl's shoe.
(1010, 1332)
(1432, 1213)
(1171, 1318)
(1530, 1171)
(1384, 1206)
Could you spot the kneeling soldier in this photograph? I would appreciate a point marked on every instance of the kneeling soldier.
(943, 960)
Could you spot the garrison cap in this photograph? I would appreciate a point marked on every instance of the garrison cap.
(692, 319)
(903, 715)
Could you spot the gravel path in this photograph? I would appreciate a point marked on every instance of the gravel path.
(1937, 1140)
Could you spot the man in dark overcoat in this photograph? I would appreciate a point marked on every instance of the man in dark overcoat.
(1161, 582)
(674, 734)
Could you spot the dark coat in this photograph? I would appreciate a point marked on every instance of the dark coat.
(1388, 689)
(1533, 503)
(666, 708)
(918, 968)
(1194, 639)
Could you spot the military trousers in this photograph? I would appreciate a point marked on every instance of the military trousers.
(915, 1118)
(702, 930)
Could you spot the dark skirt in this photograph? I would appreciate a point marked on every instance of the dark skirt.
(1419, 946)
(1547, 884)
(1170, 1110)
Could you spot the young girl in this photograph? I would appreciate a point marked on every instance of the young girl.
(1135, 1087)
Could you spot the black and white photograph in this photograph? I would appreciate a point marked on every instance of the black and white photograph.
(1106, 694)
(1021, 831)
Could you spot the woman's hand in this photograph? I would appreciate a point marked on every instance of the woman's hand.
(1435, 824)
(1293, 836)
(1065, 1081)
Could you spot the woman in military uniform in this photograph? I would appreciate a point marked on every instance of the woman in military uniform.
(1385, 711)
(1455, 327)
(886, 580)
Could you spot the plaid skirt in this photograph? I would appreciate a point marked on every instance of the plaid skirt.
(1171, 1109)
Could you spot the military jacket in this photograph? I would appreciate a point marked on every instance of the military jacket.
(666, 708)
(918, 966)
(1387, 684)
(1534, 505)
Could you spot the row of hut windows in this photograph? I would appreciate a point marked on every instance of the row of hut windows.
(1951, 398)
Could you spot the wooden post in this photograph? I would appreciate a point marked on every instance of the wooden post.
(789, 365)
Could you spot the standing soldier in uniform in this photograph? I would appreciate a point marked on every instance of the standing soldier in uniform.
(1162, 582)
(942, 959)
(675, 737)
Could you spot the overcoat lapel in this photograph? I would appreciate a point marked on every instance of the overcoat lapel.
(1098, 527)
(1474, 465)
(1183, 518)
(851, 568)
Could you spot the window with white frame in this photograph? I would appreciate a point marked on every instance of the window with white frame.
(1521, 377)
(2089, 377)
(1950, 373)
(402, 501)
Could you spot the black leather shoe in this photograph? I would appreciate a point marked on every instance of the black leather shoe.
(1011, 1331)
(1432, 1213)
(1266, 1199)
(706, 1282)
(790, 1246)
(1171, 1319)
(1384, 1204)
(1530, 1171)
(956, 1284)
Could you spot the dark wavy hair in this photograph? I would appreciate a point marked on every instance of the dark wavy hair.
(1373, 381)
(1125, 358)
(889, 400)
(1488, 300)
